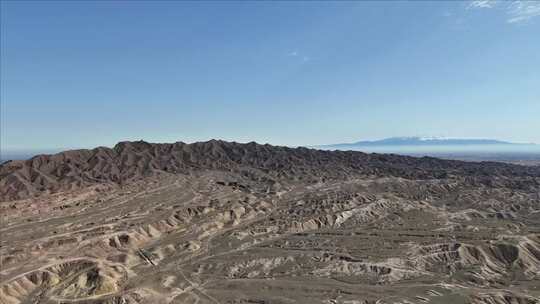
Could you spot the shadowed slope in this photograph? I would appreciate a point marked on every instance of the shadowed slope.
(129, 161)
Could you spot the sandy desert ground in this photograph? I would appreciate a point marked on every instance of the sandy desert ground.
(262, 224)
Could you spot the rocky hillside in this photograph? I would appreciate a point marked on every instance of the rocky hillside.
(130, 161)
(220, 222)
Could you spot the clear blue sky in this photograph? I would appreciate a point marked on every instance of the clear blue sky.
(83, 74)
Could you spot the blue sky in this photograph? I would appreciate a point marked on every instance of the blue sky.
(83, 74)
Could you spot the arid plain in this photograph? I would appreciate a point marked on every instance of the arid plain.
(221, 222)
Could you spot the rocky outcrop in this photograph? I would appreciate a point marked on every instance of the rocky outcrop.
(129, 161)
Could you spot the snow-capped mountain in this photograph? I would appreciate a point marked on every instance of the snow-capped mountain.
(423, 141)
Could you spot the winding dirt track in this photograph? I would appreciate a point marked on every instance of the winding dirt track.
(247, 236)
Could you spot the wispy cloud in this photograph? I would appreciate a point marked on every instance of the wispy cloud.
(516, 11)
(520, 11)
(297, 54)
(481, 4)
(293, 54)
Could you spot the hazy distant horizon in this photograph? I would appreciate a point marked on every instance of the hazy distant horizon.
(529, 150)
(447, 148)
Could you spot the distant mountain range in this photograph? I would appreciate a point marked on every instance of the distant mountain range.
(421, 141)
(129, 161)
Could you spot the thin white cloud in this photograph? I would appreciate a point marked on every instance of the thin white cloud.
(293, 54)
(482, 4)
(520, 11)
(299, 55)
(516, 11)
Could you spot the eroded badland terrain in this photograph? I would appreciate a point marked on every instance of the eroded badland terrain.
(220, 222)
